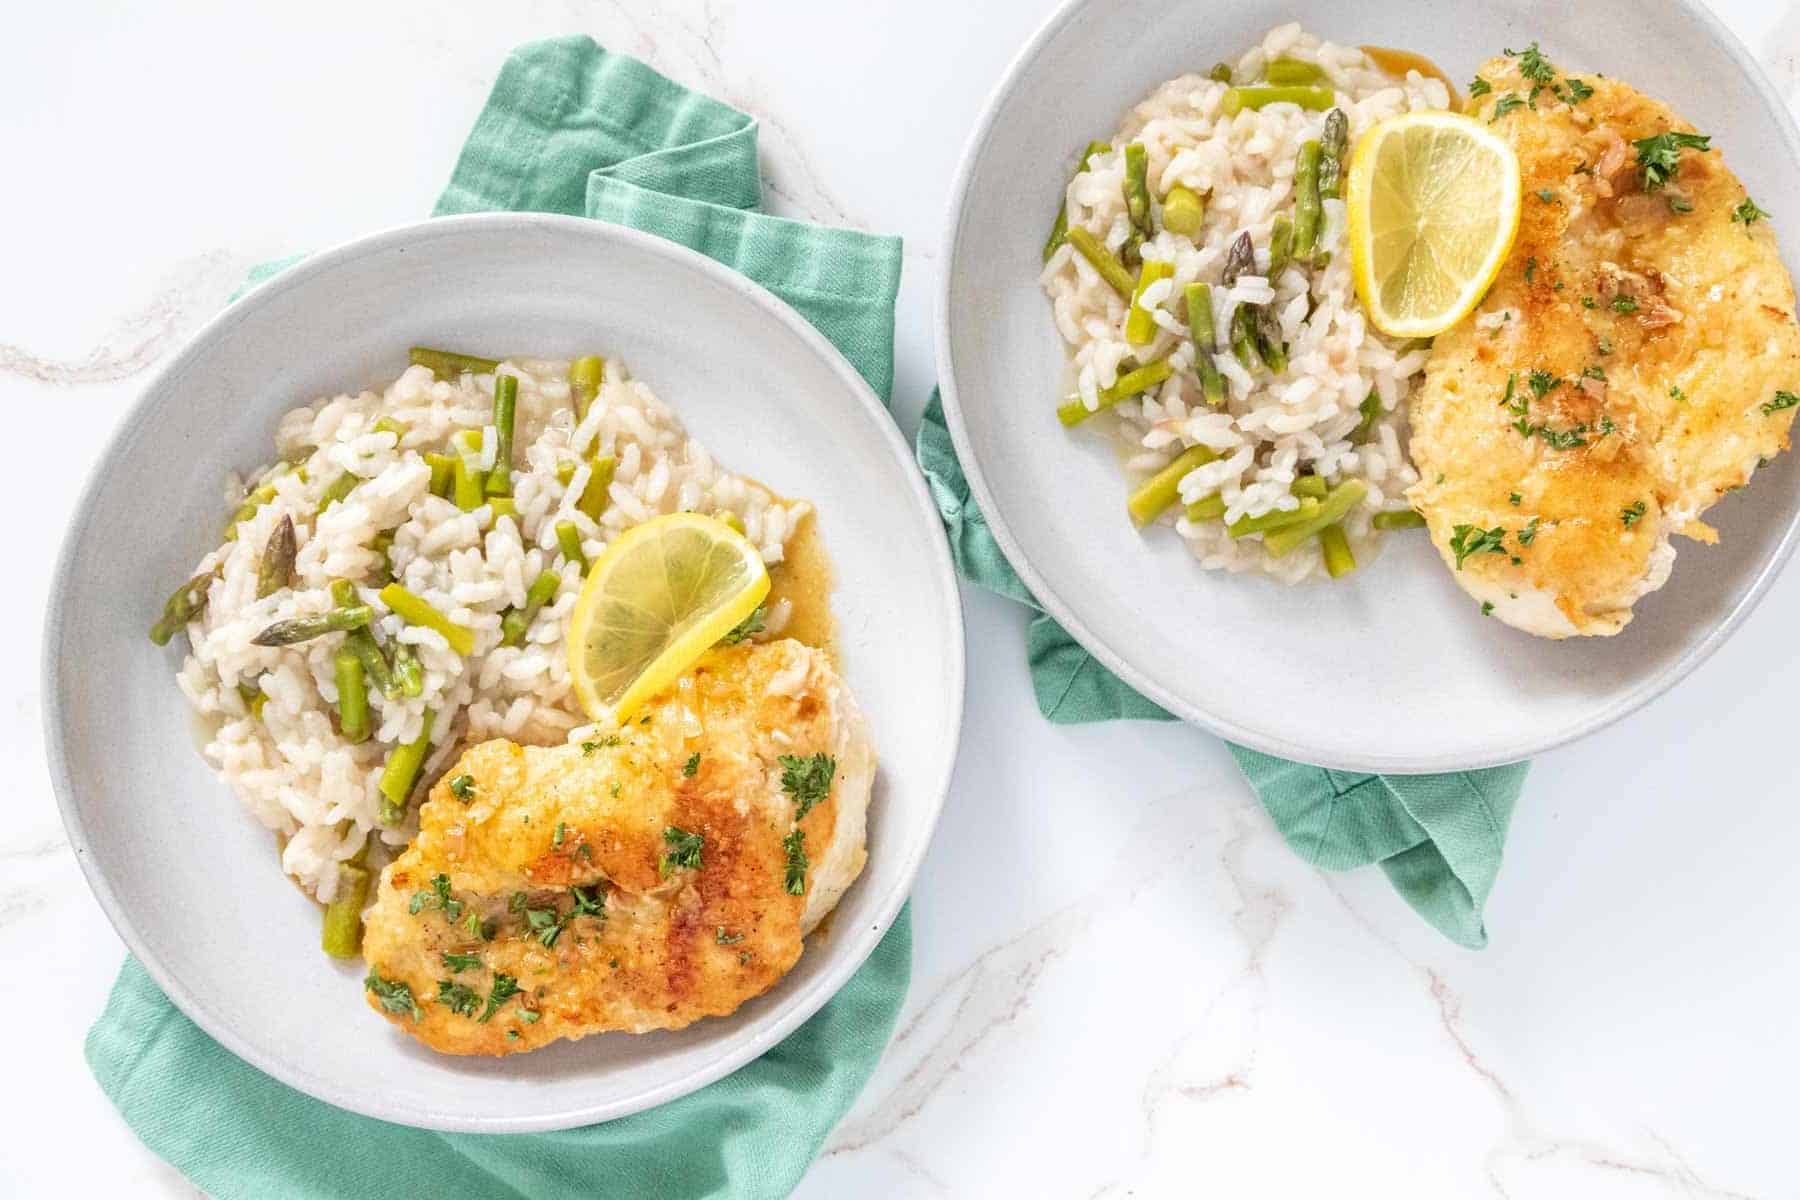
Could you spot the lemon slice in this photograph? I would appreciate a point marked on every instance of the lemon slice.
(657, 599)
(1433, 207)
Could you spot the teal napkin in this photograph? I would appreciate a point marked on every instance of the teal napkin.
(1437, 837)
(569, 128)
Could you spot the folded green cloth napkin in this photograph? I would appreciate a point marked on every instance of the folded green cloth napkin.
(569, 128)
(1438, 837)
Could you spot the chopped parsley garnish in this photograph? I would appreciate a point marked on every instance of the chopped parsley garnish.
(463, 788)
(512, 1035)
(610, 740)
(755, 623)
(545, 924)
(1749, 213)
(393, 995)
(1631, 516)
(1504, 105)
(1660, 156)
(589, 902)
(504, 989)
(1479, 87)
(1675, 393)
(684, 850)
(795, 845)
(461, 962)
(1606, 425)
(1679, 203)
(1575, 90)
(556, 839)
(437, 897)
(1528, 534)
(1514, 499)
(1562, 439)
(1588, 302)
(532, 1016)
(807, 781)
(1515, 404)
(1471, 539)
(1782, 400)
(1487, 608)
(1532, 64)
(721, 938)
(1624, 304)
(1542, 383)
(692, 766)
(585, 852)
(459, 998)
(1594, 372)
(1530, 269)
(1604, 345)
(1546, 195)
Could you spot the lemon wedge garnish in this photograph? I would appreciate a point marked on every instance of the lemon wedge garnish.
(661, 595)
(1433, 202)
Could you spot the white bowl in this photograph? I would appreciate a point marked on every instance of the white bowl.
(1391, 669)
(192, 882)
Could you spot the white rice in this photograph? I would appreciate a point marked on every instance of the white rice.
(1271, 429)
(290, 766)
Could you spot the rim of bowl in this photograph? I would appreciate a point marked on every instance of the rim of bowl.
(792, 1010)
(1268, 742)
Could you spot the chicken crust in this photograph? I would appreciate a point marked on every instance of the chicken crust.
(1619, 377)
(570, 872)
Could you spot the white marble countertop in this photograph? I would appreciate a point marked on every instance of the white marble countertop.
(1124, 984)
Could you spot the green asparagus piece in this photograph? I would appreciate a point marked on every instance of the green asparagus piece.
(1162, 489)
(506, 399)
(409, 674)
(1268, 340)
(340, 487)
(340, 936)
(362, 643)
(1370, 408)
(1183, 211)
(1207, 508)
(402, 771)
(443, 468)
(416, 611)
(253, 699)
(1337, 504)
(1275, 519)
(255, 498)
(1237, 99)
(1059, 232)
(1074, 412)
(1310, 485)
(1110, 268)
(565, 471)
(595, 497)
(446, 364)
(277, 563)
(1137, 188)
(467, 482)
(586, 374)
(1408, 519)
(1339, 561)
(1243, 337)
(383, 545)
(1240, 259)
(1289, 71)
(1333, 142)
(1307, 210)
(343, 593)
(1220, 73)
(504, 506)
(1206, 344)
(568, 539)
(304, 629)
(187, 602)
(353, 700)
(389, 425)
(1281, 246)
(1140, 326)
(517, 620)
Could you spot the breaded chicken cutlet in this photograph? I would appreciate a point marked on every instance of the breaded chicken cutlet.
(1636, 359)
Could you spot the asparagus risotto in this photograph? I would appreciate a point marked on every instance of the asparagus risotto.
(1200, 276)
(464, 575)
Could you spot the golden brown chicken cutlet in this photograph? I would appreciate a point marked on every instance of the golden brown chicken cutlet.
(638, 880)
(1636, 359)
